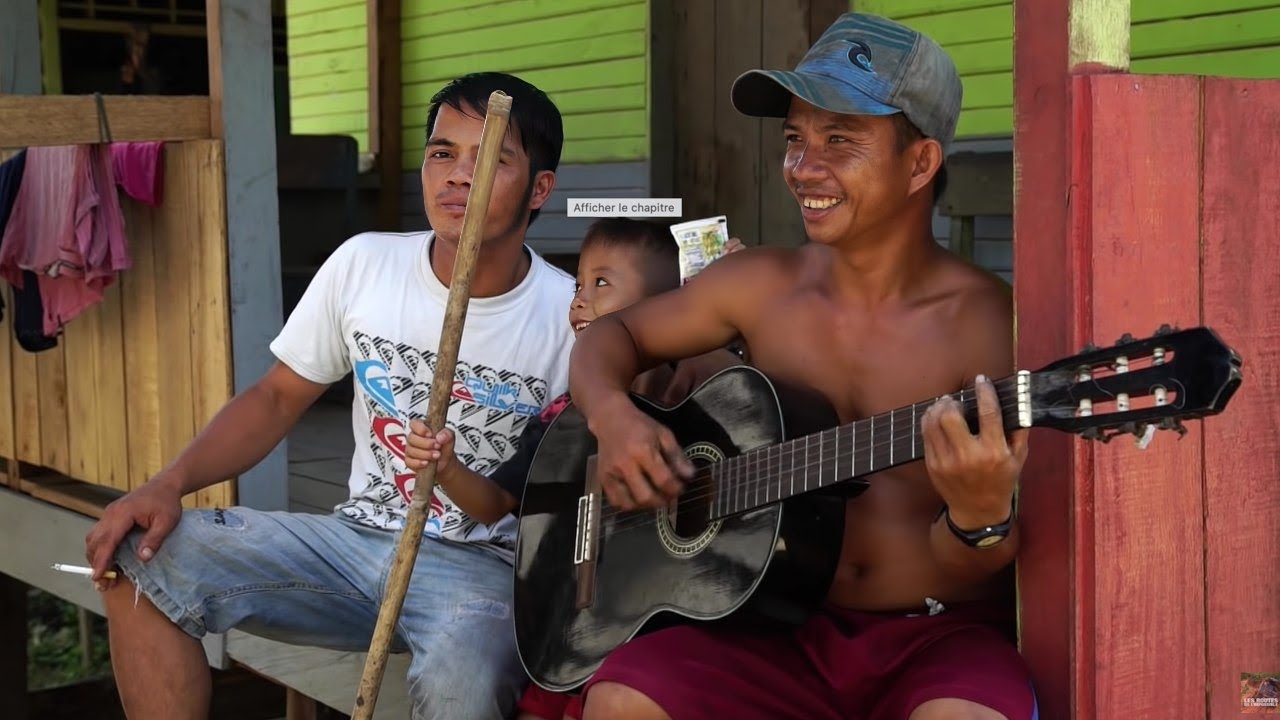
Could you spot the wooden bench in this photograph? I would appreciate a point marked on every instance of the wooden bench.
(39, 531)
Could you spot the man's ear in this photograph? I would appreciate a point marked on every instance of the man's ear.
(543, 184)
(927, 159)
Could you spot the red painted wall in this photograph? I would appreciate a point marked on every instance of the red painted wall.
(1150, 581)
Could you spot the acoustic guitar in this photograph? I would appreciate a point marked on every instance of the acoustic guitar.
(760, 526)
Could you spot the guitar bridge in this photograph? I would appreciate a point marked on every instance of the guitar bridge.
(586, 538)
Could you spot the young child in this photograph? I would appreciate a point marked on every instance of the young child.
(622, 261)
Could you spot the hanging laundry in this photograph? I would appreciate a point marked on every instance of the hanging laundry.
(10, 181)
(139, 170)
(27, 310)
(67, 228)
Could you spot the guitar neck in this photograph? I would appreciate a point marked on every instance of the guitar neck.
(771, 474)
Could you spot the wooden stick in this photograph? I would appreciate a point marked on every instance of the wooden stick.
(495, 127)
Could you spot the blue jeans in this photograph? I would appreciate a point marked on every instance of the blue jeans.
(318, 580)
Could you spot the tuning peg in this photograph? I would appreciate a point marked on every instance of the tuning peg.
(1092, 433)
(1088, 348)
(1173, 424)
(1164, 329)
(1125, 339)
(1146, 436)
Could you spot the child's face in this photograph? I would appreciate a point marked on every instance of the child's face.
(609, 279)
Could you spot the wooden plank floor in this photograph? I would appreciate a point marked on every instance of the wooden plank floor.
(320, 450)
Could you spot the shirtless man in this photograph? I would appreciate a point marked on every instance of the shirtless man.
(874, 315)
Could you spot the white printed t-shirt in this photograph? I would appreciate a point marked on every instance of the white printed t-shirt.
(376, 309)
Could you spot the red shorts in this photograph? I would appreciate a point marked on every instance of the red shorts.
(840, 664)
(549, 705)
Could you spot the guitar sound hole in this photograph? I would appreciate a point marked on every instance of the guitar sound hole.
(690, 513)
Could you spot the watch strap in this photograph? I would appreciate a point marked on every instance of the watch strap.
(984, 536)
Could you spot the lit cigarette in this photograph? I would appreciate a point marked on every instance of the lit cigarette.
(80, 570)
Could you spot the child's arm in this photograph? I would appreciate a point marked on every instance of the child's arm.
(477, 495)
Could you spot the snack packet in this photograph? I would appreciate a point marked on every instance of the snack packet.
(701, 243)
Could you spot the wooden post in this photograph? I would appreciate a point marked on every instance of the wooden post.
(241, 108)
(50, 47)
(385, 123)
(662, 45)
(1107, 240)
(1051, 41)
(299, 706)
(1240, 252)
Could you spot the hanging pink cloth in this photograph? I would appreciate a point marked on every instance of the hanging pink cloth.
(139, 169)
(67, 228)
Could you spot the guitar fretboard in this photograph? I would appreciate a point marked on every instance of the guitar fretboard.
(777, 472)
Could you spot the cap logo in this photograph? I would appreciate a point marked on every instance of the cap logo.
(860, 55)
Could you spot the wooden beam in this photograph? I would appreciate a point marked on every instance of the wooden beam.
(1051, 284)
(73, 119)
(1099, 35)
(329, 676)
(124, 28)
(663, 35)
(299, 706)
(213, 35)
(384, 106)
(37, 535)
(50, 47)
(242, 109)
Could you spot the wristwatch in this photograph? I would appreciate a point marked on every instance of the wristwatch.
(983, 537)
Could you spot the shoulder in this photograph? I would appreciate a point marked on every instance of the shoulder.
(548, 276)
(985, 297)
(384, 242)
(701, 367)
(374, 247)
(766, 270)
(982, 319)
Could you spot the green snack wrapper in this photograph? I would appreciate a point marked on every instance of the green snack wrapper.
(701, 243)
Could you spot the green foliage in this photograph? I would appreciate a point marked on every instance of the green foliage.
(54, 655)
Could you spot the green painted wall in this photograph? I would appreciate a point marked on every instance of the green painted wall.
(1238, 38)
(590, 56)
(328, 68)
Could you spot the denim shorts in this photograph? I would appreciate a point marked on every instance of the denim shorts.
(318, 580)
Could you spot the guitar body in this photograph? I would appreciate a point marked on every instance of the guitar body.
(758, 533)
(655, 568)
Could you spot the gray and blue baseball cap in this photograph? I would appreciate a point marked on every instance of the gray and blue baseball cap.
(864, 65)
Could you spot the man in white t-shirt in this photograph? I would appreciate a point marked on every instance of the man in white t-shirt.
(375, 310)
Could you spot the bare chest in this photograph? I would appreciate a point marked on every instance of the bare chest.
(863, 365)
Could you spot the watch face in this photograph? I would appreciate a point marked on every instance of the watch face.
(990, 540)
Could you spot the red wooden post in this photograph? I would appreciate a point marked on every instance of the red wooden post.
(1138, 554)
(1050, 274)
(1241, 265)
(1144, 200)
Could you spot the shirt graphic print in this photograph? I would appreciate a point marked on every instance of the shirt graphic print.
(488, 409)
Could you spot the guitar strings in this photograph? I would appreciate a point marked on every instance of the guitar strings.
(761, 460)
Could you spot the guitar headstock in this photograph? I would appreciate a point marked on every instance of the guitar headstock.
(1136, 386)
